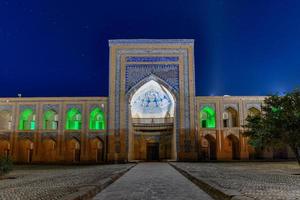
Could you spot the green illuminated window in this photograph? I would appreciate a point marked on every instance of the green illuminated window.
(50, 120)
(27, 120)
(97, 121)
(208, 117)
(73, 119)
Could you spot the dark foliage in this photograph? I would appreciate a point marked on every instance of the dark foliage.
(278, 124)
(6, 165)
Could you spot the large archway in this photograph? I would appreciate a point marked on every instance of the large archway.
(25, 154)
(49, 150)
(152, 132)
(209, 147)
(233, 146)
(72, 151)
(4, 148)
(96, 150)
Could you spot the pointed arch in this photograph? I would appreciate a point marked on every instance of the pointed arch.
(4, 148)
(233, 145)
(50, 121)
(49, 150)
(160, 81)
(209, 147)
(73, 150)
(152, 100)
(208, 117)
(73, 119)
(96, 149)
(5, 120)
(173, 94)
(97, 120)
(232, 118)
(253, 111)
(27, 120)
(25, 151)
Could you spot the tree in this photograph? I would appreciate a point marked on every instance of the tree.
(5, 165)
(278, 124)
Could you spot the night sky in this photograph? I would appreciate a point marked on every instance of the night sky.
(60, 47)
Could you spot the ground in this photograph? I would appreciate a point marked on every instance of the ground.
(152, 181)
(259, 180)
(52, 182)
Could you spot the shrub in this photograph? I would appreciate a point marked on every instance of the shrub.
(6, 165)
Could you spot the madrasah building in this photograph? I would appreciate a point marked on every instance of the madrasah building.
(151, 113)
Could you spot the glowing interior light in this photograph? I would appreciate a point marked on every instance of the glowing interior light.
(152, 100)
(27, 121)
(32, 125)
(49, 120)
(73, 119)
(97, 120)
(208, 117)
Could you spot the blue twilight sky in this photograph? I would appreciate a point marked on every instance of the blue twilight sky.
(60, 47)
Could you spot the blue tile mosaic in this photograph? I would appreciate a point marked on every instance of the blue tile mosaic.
(137, 72)
(152, 59)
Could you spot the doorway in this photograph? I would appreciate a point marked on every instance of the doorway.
(235, 147)
(152, 151)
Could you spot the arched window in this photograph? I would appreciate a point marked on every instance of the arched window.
(73, 119)
(231, 119)
(5, 120)
(253, 111)
(50, 121)
(97, 121)
(208, 117)
(27, 120)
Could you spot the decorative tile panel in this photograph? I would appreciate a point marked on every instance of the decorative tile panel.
(93, 106)
(253, 105)
(151, 59)
(6, 107)
(23, 107)
(212, 105)
(231, 105)
(176, 42)
(54, 107)
(4, 136)
(49, 135)
(153, 138)
(93, 135)
(137, 72)
(72, 135)
(77, 106)
(117, 82)
(26, 135)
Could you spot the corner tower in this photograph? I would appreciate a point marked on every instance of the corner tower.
(151, 100)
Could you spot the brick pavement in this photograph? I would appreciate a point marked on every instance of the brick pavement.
(152, 181)
(258, 180)
(52, 182)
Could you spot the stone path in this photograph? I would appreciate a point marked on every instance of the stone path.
(257, 180)
(152, 181)
(37, 182)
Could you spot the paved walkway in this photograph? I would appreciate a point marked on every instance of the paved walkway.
(152, 181)
(257, 180)
(40, 182)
